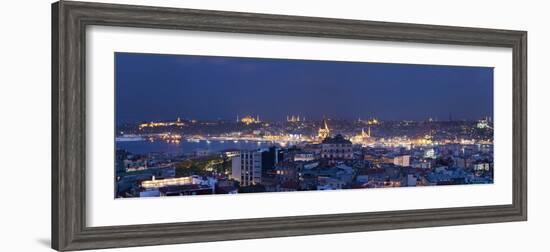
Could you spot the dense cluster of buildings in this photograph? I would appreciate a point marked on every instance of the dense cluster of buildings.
(337, 164)
(336, 161)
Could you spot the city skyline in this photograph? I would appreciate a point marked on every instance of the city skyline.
(160, 87)
(203, 125)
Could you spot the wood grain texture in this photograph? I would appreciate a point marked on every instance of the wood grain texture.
(69, 20)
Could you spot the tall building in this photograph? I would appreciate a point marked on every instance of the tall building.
(247, 168)
(336, 148)
(270, 157)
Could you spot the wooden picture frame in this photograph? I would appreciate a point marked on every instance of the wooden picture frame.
(69, 20)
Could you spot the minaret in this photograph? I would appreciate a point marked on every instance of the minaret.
(237, 118)
(257, 118)
(324, 132)
(369, 132)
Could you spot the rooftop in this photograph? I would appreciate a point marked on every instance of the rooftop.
(338, 139)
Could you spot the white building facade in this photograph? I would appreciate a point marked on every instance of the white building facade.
(247, 168)
(403, 160)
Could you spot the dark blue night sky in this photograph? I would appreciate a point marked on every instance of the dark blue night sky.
(163, 87)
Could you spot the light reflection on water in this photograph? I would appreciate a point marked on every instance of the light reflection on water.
(144, 147)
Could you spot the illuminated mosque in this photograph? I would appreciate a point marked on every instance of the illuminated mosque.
(363, 137)
(323, 132)
(249, 119)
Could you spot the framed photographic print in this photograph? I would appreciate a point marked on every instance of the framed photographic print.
(177, 125)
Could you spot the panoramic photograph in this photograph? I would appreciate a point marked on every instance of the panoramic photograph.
(199, 125)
